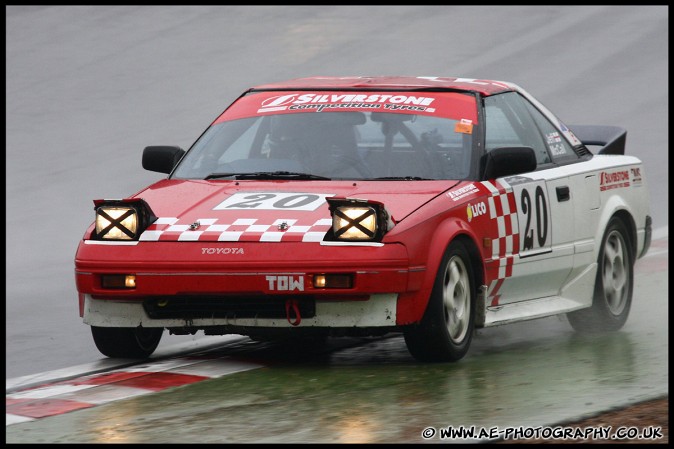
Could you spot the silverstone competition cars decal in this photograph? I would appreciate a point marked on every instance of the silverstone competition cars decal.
(614, 180)
(463, 192)
(452, 105)
(320, 102)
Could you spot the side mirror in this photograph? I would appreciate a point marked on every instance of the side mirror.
(162, 158)
(508, 161)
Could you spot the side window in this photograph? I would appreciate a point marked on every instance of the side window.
(508, 123)
(558, 146)
(499, 131)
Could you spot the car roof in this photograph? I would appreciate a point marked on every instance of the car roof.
(484, 87)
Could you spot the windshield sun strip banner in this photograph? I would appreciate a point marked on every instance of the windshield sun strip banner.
(453, 105)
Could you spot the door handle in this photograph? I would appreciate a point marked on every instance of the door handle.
(563, 193)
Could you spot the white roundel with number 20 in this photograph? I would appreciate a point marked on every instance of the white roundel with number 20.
(533, 214)
(273, 201)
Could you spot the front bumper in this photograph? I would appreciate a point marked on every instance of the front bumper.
(202, 284)
(377, 310)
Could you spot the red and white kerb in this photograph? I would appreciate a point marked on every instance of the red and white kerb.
(96, 389)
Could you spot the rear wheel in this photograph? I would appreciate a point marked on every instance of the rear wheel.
(127, 342)
(446, 330)
(613, 286)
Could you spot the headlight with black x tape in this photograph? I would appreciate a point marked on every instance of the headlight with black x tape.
(121, 219)
(357, 220)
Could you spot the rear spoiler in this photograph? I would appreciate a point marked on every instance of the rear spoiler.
(611, 139)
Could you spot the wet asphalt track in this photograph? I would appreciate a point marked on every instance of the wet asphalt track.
(88, 87)
(526, 375)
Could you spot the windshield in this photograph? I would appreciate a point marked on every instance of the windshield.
(325, 144)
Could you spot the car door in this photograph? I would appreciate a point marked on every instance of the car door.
(543, 247)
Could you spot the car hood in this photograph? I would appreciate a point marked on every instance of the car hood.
(268, 210)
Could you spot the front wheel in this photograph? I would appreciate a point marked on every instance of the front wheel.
(127, 342)
(613, 285)
(446, 330)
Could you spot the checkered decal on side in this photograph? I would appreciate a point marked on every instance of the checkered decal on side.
(503, 209)
(239, 230)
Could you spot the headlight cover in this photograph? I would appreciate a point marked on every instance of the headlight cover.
(121, 219)
(357, 220)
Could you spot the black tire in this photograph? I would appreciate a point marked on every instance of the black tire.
(127, 342)
(446, 330)
(612, 297)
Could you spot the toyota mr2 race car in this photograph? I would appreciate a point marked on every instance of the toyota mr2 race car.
(361, 206)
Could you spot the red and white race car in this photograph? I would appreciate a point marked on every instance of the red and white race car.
(366, 205)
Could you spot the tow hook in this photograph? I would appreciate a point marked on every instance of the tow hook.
(293, 307)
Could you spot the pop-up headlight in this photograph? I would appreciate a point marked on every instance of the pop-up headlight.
(357, 220)
(121, 219)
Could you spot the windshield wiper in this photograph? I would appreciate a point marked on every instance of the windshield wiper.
(401, 178)
(268, 175)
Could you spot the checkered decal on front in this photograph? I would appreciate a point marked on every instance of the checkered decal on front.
(239, 230)
(503, 209)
